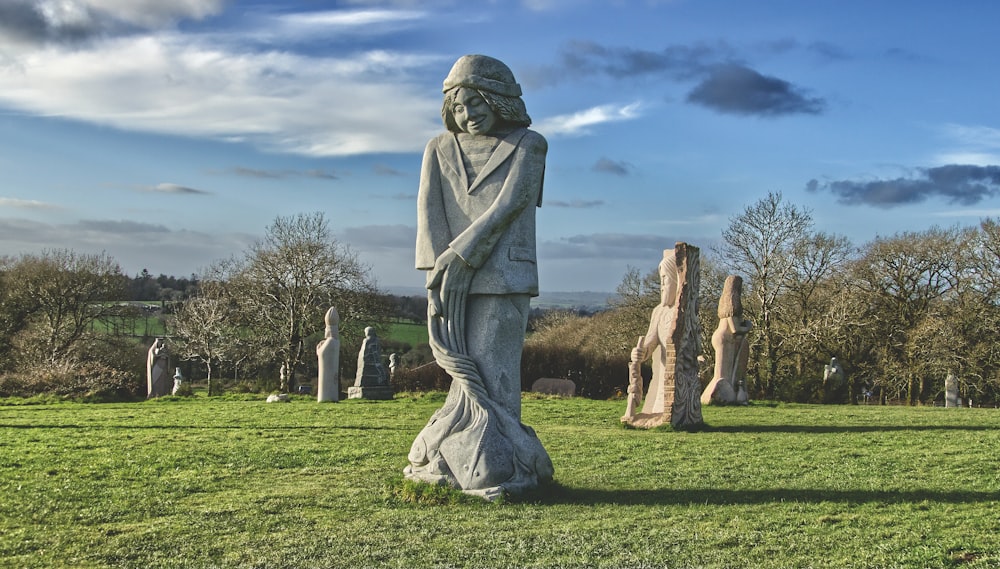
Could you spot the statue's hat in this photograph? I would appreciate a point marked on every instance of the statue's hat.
(484, 73)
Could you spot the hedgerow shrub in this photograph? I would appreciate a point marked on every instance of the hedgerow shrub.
(90, 381)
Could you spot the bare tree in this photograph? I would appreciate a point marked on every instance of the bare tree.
(205, 327)
(760, 243)
(287, 281)
(66, 293)
(904, 279)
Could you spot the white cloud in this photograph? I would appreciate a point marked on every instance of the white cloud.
(579, 123)
(353, 19)
(281, 101)
(135, 245)
(147, 13)
(26, 204)
(976, 146)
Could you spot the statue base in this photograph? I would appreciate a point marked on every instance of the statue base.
(379, 392)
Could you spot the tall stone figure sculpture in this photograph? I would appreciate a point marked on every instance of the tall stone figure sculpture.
(328, 356)
(479, 186)
(729, 384)
(673, 342)
(157, 376)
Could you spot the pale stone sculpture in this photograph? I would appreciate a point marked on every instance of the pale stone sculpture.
(328, 356)
(178, 381)
(371, 381)
(156, 369)
(479, 185)
(554, 386)
(393, 364)
(728, 385)
(833, 374)
(672, 341)
(951, 396)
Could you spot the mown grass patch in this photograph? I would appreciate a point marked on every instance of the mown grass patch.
(211, 482)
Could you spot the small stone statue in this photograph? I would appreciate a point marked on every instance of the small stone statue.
(833, 374)
(672, 341)
(328, 355)
(480, 184)
(728, 386)
(371, 381)
(393, 364)
(178, 381)
(156, 369)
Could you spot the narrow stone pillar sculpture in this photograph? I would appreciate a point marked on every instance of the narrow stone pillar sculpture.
(951, 397)
(728, 385)
(328, 356)
(673, 342)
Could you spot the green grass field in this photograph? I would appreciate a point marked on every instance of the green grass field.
(240, 483)
(412, 334)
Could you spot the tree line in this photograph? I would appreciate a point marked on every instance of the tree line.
(900, 313)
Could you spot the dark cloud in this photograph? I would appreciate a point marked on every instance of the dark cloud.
(321, 174)
(168, 188)
(607, 165)
(256, 173)
(957, 183)
(620, 246)
(283, 174)
(680, 62)
(122, 227)
(575, 204)
(737, 89)
(25, 21)
(726, 83)
(403, 197)
(373, 237)
(74, 21)
(828, 51)
(904, 55)
(385, 170)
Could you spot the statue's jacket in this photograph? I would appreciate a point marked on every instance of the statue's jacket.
(490, 221)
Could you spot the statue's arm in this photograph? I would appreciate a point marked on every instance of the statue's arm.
(433, 233)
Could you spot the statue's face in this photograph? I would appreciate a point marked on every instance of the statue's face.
(472, 113)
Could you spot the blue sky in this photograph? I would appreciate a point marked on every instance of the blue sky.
(170, 134)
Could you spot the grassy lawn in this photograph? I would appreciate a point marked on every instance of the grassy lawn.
(231, 483)
(408, 332)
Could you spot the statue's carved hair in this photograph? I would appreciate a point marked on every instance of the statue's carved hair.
(731, 303)
(510, 110)
(669, 264)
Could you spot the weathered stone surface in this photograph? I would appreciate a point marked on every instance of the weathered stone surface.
(328, 356)
(157, 376)
(729, 385)
(554, 386)
(479, 185)
(178, 382)
(673, 342)
(372, 380)
(951, 396)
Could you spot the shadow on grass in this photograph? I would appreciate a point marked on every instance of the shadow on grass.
(251, 427)
(557, 494)
(826, 429)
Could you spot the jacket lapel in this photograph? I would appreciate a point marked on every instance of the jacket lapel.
(504, 149)
(450, 158)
